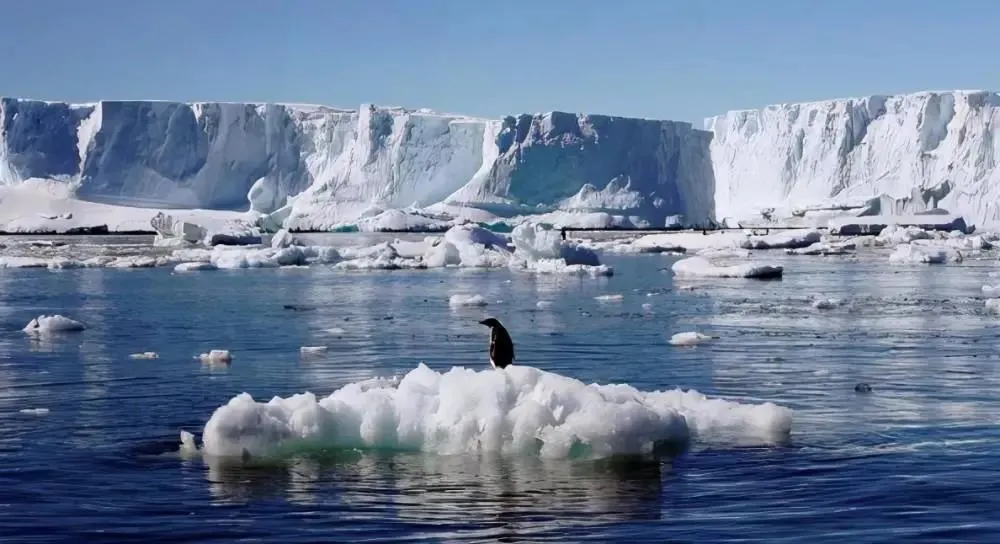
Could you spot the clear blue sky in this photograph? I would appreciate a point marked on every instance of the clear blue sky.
(668, 59)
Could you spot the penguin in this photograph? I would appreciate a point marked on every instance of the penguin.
(501, 346)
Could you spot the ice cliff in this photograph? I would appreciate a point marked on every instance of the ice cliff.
(317, 166)
(880, 154)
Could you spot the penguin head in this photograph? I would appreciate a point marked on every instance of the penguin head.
(491, 322)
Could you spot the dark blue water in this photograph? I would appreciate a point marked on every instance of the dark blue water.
(913, 461)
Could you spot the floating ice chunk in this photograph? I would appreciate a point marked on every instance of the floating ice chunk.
(826, 303)
(283, 239)
(699, 267)
(647, 306)
(312, 350)
(690, 338)
(195, 266)
(723, 252)
(36, 262)
(396, 220)
(134, 261)
(519, 410)
(187, 442)
(467, 300)
(559, 266)
(783, 240)
(824, 248)
(216, 356)
(34, 411)
(535, 242)
(234, 233)
(993, 305)
(913, 253)
(893, 235)
(145, 355)
(609, 298)
(542, 304)
(468, 246)
(45, 324)
(991, 289)
(460, 235)
(241, 257)
(334, 330)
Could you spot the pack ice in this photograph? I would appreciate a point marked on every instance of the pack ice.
(316, 167)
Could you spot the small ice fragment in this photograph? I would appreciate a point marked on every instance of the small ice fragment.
(187, 442)
(312, 349)
(145, 355)
(826, 304)
(334, 330)
(542, 304)
(689, 338)
(216, 356)
(35, 411)
(609, 298)
(647, 306)
(467, 300)
(993, 305)
(53, 323)
(194, 266)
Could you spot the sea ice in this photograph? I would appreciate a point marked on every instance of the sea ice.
(45, 324)
(216, 356)
(791, 239)
(145, 355)
(690, 338)
(824, 248)
(467, 300)
(913, 253)
(826, 303)
(699, 267)
(518, 410)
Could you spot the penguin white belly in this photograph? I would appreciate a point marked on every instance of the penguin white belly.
(494, 365)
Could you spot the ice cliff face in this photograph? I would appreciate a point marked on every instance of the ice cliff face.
(321, 166)
(642, 168)
(155, 153)
(886, 154)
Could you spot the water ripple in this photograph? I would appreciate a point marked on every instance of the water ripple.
(908, 461)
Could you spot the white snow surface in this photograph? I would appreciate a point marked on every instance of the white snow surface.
(520, 410)
(689, 338)
(47, 324)
(700, 267)
(894, 155)
(317, 167)
(917, 253)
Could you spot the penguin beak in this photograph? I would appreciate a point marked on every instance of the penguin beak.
(483, 322)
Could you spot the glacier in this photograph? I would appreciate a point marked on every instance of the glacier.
(317, 168)
(877, 155)
(308, 167)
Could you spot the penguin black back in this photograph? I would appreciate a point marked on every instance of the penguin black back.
(501, 345)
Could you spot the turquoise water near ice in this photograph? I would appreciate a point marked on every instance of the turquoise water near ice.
(913, 461)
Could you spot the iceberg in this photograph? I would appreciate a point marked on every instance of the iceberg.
(876, 155)
(309, 167)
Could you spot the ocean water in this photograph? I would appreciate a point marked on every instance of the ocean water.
(911, 461)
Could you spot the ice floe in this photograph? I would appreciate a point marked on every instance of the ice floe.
(520, 410)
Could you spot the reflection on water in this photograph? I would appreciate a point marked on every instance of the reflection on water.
(516, 495)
